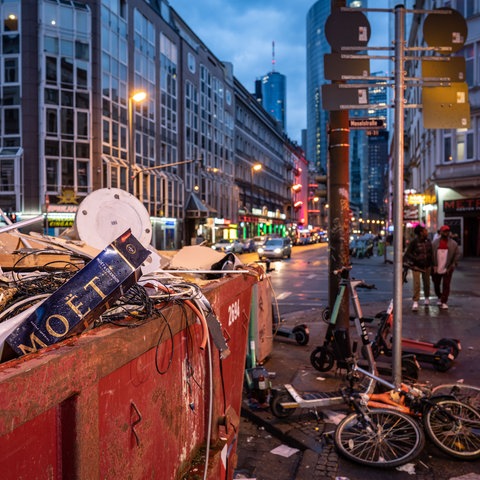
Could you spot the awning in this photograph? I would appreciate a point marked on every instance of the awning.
(114, 161)
(11, 152)
(194, 207)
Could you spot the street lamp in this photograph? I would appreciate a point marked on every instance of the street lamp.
(136, 97)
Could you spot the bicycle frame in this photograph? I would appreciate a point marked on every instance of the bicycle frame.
(452, 425)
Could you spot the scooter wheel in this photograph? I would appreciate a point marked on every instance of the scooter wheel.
(442, 362)
(301, 335)
(322, 359)
(410, 369)
(448, 344)
(276, 404)
(326, 314)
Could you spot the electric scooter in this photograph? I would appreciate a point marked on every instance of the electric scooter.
(440, 354)
(300, 333)
(325, 356)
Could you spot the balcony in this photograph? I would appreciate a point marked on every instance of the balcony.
(459, 176)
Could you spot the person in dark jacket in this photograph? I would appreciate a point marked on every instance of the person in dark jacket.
(445, 258)
(419, 257)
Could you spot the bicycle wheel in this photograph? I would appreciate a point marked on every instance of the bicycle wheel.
(454, 428)
(379, 438)
(468, 394)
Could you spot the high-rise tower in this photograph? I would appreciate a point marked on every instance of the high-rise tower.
(271, 91)
(317, 118)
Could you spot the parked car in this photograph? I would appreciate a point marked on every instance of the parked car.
(226, 245)
(249, 245)
(304, 238)
(275, 248)
(259, 241)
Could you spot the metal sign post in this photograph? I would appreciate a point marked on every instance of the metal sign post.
(398, 194)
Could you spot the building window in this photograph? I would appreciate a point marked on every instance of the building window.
(51, 70)
(52, 175)
(10, 70)
(7, 175)
(468, 53)
(447, 149)
(464, 145)
(11, 121)
(51, 121)
(191, 62)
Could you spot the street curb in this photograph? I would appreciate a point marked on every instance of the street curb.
(295, 441)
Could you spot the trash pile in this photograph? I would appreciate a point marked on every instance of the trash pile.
(52, 288)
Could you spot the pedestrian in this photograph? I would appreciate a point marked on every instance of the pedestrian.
(445, 258)
(419, 258)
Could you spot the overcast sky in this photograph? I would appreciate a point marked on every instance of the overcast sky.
(242, 32)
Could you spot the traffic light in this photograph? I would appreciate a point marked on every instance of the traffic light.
(322, 186)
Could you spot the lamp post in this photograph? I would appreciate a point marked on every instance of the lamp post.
(136, 97)
(255, 168)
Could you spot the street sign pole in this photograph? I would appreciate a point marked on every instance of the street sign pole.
(398, 193)
(338, 199)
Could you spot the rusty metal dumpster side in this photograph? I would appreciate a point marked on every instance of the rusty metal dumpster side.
(129, 402)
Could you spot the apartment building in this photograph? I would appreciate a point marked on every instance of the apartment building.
(70, 122)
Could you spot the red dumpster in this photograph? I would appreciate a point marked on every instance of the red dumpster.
(130, 402)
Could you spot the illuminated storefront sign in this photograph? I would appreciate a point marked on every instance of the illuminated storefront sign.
(421, 198)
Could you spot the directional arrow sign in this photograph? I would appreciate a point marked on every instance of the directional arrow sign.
(336, 98)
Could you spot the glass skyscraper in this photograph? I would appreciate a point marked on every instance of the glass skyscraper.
(317, 118)
(274, 97)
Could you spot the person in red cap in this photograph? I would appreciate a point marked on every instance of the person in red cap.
(445, 258)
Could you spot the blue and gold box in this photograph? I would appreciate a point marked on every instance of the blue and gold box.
(78, 302)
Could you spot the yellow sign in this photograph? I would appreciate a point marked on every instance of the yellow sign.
(421, 199)
(68, 196)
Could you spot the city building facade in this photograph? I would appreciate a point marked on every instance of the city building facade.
(70, 122)
(264, 167)
(442, 166)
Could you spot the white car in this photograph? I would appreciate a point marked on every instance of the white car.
(227, 246)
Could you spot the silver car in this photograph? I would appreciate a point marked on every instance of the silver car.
(275, 248)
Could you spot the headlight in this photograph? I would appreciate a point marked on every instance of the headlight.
(260, 250)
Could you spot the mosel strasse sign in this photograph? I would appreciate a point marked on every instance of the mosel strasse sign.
(366, 123)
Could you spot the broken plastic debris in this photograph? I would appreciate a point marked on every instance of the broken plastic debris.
(408, 467)
(333, 417)
(284, 451)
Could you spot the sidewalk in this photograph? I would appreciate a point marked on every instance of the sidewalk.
(311, 432)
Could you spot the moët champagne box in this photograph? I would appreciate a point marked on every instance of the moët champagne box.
(83, 298)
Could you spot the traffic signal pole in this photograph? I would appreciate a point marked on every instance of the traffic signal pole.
(338, 200)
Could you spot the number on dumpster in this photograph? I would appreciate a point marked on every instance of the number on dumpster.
(233, 312)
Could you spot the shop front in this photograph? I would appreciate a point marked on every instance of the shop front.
(463, 217)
